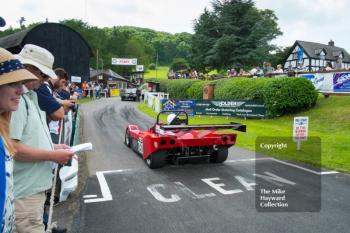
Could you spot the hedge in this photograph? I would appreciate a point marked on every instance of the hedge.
(177, 89)
(280, 95)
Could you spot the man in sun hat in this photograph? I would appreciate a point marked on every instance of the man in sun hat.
(12, 75)
(40, 60)
(33, 145)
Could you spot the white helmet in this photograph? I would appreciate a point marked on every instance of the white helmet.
(170, 118)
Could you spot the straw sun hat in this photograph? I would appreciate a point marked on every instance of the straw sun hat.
(12, 70)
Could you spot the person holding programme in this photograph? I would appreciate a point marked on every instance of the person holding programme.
(34, 149)
(12, 75)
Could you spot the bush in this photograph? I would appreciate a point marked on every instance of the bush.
(179, 64)
(280, 95)
(152, 66)
(177, 89)
(240, 89)
(289, 95)
(196, 90)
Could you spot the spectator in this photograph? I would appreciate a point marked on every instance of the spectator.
(243, 73)
(84, 86)
(12, 75)
(33, 146)
(300, 68)
(232, 73)
(98, 90)
(279, 69)
(329, 66)
(268, 69)
(338, 64)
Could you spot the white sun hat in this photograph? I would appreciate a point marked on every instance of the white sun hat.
(38, 57)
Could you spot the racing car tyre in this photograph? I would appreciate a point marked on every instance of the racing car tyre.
(220, 155)
(127, 138)
(156, 160)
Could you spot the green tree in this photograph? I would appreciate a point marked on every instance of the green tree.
(279, 56)
(234, 34)
(179, 64)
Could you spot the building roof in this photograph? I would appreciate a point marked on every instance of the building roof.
(17, 39)
(109, 73)
(313, 50)
(14, 39)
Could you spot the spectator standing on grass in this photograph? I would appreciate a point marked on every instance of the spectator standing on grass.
(12, 75)
(34, 149)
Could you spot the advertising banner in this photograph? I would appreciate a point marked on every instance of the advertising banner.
(75, 79)
(176, 104)
(321, 81)
(329, 82)
(341, 82)
(124, 61)
(237, 108)
(300, 55)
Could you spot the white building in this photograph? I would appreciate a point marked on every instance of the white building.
(314, 56)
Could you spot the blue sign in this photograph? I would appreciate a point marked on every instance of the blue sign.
(176, 104)
(300, 55)
(341, 82)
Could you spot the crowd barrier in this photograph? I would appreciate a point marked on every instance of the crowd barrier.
(68, 174)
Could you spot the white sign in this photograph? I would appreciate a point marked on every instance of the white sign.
(75, 79)
(139, 68)
(124, 61)
(300, 128)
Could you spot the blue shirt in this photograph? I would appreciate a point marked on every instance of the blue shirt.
(2, 179)
(47, 101)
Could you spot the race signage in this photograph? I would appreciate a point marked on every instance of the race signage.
(300, 128)
(341, 82)
(75, 79)
(237, 108)
(124, 61)
(139, 68)
(329, 82)
(184, 105)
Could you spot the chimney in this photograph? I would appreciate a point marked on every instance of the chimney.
(331, 43)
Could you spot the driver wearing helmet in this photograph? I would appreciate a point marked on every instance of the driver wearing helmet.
(172, 119)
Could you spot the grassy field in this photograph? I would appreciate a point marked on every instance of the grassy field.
(85, 100)
(162, 73)
(329, 120)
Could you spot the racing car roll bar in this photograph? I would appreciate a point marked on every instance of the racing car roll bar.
(232, 125)
(177, 112)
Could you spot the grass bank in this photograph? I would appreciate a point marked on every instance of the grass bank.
(161, 73)
(329, 120)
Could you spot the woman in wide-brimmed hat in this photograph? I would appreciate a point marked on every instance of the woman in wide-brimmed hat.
(12, 75)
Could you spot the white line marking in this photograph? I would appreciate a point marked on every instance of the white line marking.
(244, 160)
(89, 196)
(293, 165)
(330, 172)
(106, 193)
(285, 163)
(303, 168)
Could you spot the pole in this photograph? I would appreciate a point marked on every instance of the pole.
(298, 145)
(96, 59)
(157, 65)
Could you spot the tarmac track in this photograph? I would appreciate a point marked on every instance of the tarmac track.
(122, 195)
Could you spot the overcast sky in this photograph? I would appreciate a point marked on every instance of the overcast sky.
(316, 20)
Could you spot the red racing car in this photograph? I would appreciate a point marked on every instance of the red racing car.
(177, 140)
